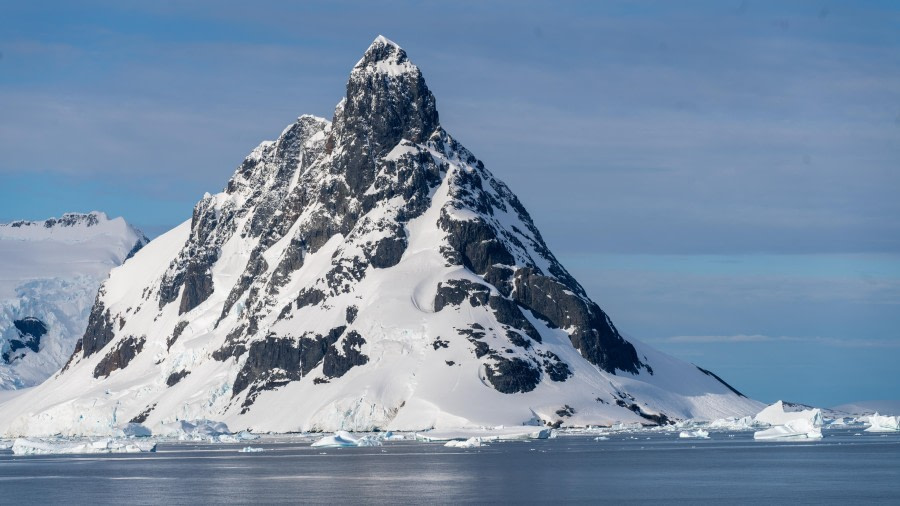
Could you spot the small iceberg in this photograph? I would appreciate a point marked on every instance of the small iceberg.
(250, 449)
(58, 447)
(472, 442)
(343, 439)
(799, 429)
(695, 434)
(878, 423)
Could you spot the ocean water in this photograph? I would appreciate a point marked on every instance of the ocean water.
(727, 468)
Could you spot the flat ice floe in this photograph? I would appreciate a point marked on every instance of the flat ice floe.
(878, 423)
(495, 434)
(799, 429)
(54, 447)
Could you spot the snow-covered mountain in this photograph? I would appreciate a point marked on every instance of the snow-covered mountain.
(49, 274)
(363, 273)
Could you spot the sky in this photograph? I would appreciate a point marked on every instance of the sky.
(722, 177)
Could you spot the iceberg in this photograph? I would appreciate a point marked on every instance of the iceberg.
(56, 447)
(472, 442)
(878, 423)
(250, 449)
(801, 428)
(343, 439)
(696, 434)
(776, 414)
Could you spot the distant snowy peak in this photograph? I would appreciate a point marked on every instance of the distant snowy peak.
(364, 273)
(72, 228)
(49, 274)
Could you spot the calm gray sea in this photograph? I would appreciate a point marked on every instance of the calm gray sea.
(841, 468)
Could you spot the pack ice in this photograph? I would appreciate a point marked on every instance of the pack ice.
(363, 273)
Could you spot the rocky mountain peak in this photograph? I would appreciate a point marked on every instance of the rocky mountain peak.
(384, 55)
(349, 276)
(387, 100)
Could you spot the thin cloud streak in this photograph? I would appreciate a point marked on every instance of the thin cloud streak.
(757, 338)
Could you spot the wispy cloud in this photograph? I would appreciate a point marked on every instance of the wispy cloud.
(758, 338)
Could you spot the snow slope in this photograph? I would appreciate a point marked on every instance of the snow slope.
(885, 407)
(367, 272)
(49, 274)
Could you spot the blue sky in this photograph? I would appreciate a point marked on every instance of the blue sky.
(721, 176)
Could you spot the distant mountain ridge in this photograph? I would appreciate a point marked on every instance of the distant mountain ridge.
(49, 274)
(362, 273)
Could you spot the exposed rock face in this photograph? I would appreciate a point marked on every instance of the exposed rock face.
(513, 375)
(277, 361)
(100, 330)
(357, 272)
(119, 356)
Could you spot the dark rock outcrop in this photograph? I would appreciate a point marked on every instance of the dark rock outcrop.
(508, 313)
(555, 368)
(513, 375)
(337, 363)
(593, 335)
(119, 356)
(100, 330)
(175, 377)
(454, 291)
(30, 331)
(176, 333)
(276, 361)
